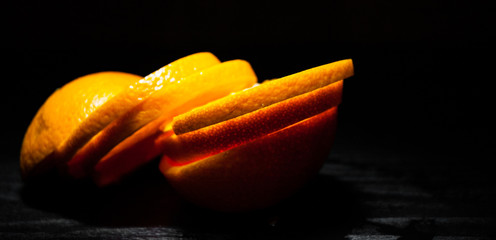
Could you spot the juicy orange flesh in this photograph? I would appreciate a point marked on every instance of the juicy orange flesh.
(231, 133)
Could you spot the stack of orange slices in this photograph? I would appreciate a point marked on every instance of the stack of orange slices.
(226, 142)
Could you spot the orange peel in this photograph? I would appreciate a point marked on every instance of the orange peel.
(221, 136)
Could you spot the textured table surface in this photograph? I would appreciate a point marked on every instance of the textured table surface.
(367, 193)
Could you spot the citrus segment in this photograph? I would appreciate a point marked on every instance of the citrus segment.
(264, 95)
(57, 121)
(259, 173)
(224, 135)
(194, 90)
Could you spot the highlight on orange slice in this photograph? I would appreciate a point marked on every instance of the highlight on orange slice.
(195, 90)
(268, 93)
(59, 119)
(262, 152)
(82, 108)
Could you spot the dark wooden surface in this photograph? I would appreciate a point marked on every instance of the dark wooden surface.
(362, 192)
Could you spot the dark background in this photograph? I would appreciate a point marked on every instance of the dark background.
(422, 67)
(422, 86)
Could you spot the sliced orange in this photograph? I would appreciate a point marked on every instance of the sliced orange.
(263, 152)
(246, 150)
(195, 90)
(82, 108)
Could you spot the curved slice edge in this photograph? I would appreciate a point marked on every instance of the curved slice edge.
(259, 173)
(219, 137)
(268, 93)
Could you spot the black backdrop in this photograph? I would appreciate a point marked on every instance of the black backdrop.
(423, 68)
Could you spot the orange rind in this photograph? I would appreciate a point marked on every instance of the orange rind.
(74, 111)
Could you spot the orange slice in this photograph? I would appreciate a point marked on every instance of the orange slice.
(58, 121)
(266, 94)
(82, 108)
